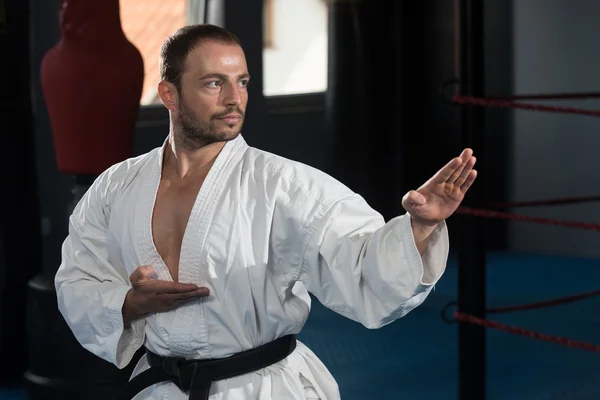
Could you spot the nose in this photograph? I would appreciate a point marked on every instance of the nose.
(232, 95)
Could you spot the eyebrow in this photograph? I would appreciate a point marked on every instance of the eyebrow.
(224, 77)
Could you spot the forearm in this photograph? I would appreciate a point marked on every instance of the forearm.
(93, 313)
(422, 234)
(376, 274)
(129, 310)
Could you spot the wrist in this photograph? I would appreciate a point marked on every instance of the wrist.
(130, 311)
(421, 233)
(422, 227)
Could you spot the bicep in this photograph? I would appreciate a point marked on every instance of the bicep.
(85, 251)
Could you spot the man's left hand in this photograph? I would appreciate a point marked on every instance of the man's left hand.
(441, 195)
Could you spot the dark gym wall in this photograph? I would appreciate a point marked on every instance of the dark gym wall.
(54, 187)
(20, 257)
(431, 139)
(427, 142)
(556, 155)
(426, 43)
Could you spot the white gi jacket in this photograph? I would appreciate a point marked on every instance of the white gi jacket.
(263, 233)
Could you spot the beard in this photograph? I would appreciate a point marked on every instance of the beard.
(195, 133)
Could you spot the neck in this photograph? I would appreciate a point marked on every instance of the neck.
(184, 162)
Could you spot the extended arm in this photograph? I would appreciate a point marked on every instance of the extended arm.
(375, 272)
(370, 271)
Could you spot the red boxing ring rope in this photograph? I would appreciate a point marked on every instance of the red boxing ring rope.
(516, 103)
(519, 217)
(550, 96)
(525, 106)
(548, 202)
(527, 333)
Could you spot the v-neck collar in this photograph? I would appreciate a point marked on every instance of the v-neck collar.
(200, 216)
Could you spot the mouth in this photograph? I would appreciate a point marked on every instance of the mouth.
(231, 119)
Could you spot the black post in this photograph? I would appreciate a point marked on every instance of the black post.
(472, 262)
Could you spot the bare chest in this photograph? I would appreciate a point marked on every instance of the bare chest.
(170, 218)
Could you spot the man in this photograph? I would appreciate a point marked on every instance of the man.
(207, 249)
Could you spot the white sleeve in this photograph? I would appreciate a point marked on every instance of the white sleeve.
(368, 270)
(90, 289)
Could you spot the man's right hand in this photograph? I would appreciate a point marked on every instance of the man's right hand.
(149, 295)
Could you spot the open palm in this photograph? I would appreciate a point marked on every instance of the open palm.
(441, 195)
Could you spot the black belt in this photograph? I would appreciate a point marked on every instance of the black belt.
(196, 376)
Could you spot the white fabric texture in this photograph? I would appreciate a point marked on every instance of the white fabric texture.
(264, 232)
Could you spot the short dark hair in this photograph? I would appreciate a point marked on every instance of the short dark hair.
(174, 50)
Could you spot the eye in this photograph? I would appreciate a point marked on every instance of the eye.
(213, 84)
(244, 82)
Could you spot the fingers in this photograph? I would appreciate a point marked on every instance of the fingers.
(465, 172)
(462, 167)
(141, 273)
(414, 198)
(466, 154)
(169, 287)
(196, 294)
(457, 172)
(152, 295)
(469, 181)
(160, 287)
(141, 277)
(445, 174)
(169, 301)
(202, 291)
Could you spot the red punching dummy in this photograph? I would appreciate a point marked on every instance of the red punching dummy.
(92, 83)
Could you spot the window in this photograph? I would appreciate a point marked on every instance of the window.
(295, 46)
(146, 24)
(295, 41)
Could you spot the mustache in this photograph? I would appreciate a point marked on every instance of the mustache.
(235, 110)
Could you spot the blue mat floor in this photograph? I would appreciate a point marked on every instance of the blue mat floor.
(416, 357)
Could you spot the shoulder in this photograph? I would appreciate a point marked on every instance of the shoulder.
(103, 191)
(120, 175)
(294, 177)
(123, 173)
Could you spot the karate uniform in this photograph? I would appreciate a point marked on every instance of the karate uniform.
(264, 232)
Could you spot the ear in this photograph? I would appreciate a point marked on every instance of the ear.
(168, 95)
